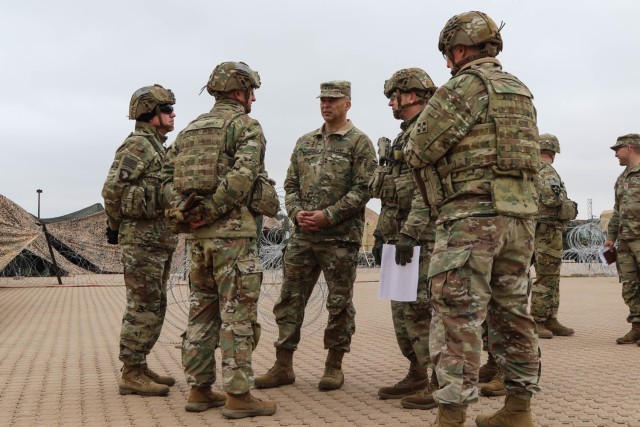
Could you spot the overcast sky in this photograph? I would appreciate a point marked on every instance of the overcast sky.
(68, 69)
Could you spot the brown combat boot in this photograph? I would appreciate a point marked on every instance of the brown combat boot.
(450, 416)
(134, 381)
(245, 405)
(281, 373)
(557, 328)
(333, 377)
(423, 399)
(488, 370)
(416, 379)
(495, 387)
(632, 336)
(543, 332)
(515, 413)
(157, 378)
(202, 398)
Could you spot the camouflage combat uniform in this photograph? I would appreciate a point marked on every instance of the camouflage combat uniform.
(484, 230)
(132, 203)
(329, 172)
(545, 293)
(225, 270)
(625, 227)
(401, 212)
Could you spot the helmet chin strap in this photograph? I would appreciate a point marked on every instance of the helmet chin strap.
(401, 106)
(245, 104)
(457, 66)
(162, 125)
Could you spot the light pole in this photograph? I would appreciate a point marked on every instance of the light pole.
(39, 193)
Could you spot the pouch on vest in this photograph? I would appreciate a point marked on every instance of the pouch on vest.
(517, 145)
(375, 186)
(151, 201)
(388, 190)
(514, 196)
(263, 197)
(134, 204)
(568, 210)
(430, 186)
(405, 186)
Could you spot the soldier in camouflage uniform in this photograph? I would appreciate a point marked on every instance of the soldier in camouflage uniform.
(136, 221)
(208, 175)
(625, 227)
(326, 193)
(555, 211)
(406, 224)
(475, 146)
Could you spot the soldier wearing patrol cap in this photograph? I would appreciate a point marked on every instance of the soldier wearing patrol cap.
(479, 131)
(132, 202)
(326, 193)
(624, 227)
(208, 179)
(405, 221)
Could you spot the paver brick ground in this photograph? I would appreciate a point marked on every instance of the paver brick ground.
(59, 363)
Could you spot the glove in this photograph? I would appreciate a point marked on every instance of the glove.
(404, 249)
(112, 236)
(177, 215)
(376, 251)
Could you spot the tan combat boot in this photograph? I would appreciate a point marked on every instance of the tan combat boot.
(245, 405)
(281, 373)
(557, 328)
(416, 379)
(515, 413)
(632, 336)
(423, 399)
(202, 398)
(157, 378)
(495, 387)
(543, 332)
(333, 377)
(450, 416)
(134, 381)
(488, 370)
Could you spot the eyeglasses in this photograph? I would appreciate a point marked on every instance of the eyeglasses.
(166, 108)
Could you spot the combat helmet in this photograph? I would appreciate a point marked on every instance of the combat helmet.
(230, 76)
(148, 99)
(471, 29)
(410, 80)
(549, 142)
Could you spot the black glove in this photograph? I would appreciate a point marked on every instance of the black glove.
(376, 251)
(404, 249)
(112, 236)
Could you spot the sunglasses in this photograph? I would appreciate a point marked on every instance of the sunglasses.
(166, 108)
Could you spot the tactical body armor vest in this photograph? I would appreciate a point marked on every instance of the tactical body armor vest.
(204, 157)
(504, 149)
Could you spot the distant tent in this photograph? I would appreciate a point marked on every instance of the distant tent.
(79, 244)
(77, 240)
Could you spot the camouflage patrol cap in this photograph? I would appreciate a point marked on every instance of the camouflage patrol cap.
(335, 89)
(629, 139)
(409, 80)
(549, 142)
(146, 99)
(229, 76)
(471, 29)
